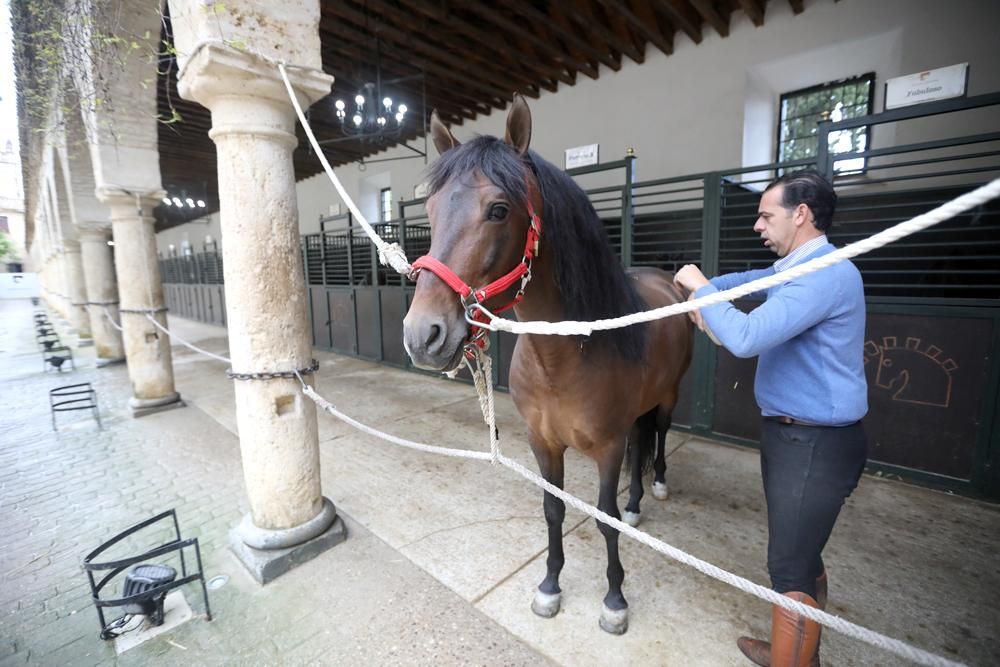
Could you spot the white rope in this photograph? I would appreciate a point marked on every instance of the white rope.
(948, 210)
(184, 342)
(390, 254)
(896, 646)
(445, 451)
(111, 319)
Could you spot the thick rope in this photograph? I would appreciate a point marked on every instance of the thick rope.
(948, 210)
(183, 342)
(390, 254)
(107, 314)
(896, 646)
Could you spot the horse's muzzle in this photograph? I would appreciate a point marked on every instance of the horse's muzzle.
(434, 342)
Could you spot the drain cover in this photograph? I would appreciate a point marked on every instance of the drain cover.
(217, 582)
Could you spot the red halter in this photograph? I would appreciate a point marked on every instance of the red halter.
(471, 297)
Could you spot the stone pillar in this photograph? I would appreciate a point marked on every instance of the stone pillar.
(147, 349)
(76, 292)
(102, 292)
(253, 127)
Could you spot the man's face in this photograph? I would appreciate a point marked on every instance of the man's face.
(775, 224)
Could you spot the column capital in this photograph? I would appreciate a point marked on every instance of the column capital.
(119, 197)
(218, 73)
(94, 232)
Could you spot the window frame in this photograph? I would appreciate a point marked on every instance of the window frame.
(381, 204)
(868, 77)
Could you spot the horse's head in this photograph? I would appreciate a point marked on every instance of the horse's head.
(479, 218)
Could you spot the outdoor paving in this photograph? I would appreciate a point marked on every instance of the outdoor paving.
(442, 554)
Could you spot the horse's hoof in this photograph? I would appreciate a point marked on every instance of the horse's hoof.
(546, 605)
(660, 490)
(631, 518)
(614, 621)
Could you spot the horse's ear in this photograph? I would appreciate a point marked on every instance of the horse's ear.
(518, 134)
(444, 140)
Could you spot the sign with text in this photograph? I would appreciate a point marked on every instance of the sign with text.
(934, 84)
(582, 156)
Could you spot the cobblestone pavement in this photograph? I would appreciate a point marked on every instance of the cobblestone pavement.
(62, 493)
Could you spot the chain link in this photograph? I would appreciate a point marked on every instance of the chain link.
(143, 311)
(274, 375)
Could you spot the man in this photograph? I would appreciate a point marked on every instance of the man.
(812, 393)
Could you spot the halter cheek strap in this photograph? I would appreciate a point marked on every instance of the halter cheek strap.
(471, 297)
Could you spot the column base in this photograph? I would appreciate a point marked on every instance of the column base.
(267, 564)
(146, 406)
(101, 363)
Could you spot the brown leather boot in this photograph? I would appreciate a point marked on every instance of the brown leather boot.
(793, 637)
(759, 651)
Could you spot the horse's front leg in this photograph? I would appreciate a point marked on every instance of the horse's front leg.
(550, 465)
(614, 614)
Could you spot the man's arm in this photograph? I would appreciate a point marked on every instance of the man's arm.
(790, 310)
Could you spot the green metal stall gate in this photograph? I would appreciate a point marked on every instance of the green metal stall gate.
(933, 332)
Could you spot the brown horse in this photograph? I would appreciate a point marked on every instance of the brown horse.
(587, 393)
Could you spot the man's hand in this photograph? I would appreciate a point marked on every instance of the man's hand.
(691, 278)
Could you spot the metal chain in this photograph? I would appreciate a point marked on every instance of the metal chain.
(143, 311)
(274, 375)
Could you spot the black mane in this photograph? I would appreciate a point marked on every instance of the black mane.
(588, 274)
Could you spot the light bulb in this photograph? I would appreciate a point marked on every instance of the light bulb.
(381, 120)
(166, 200)
(402, 108)
(357, 119)
(360, 100)
(339, 104)
(190, 202)
(178, 202)
(387, 102)
(201, 204)
(399, 117)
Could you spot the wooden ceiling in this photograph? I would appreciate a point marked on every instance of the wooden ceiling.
(472, 57)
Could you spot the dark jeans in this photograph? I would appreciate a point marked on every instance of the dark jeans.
(808, 472)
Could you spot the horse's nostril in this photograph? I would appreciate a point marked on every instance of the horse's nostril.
(434, 336)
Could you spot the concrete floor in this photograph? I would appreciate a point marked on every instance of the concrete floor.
(443, 555)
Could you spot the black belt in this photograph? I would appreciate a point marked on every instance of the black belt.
(791, 421)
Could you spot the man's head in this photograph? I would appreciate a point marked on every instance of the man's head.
(794, 209)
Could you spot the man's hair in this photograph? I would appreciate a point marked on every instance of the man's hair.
(808, 187)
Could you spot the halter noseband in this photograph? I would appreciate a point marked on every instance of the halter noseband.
(473, 298)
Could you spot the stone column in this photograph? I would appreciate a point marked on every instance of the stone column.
(147, 349)
(253, 127)
(76, 292)
(102, 292)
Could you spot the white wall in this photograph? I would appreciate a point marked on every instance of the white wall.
(18, 285)
(712, 106)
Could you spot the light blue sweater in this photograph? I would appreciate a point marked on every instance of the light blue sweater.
(809, 334)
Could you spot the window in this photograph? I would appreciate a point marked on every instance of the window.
(385, 204)
(801, 110)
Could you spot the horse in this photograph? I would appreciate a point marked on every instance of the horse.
(594, 393)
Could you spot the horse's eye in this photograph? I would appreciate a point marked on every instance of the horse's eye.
(498, 211)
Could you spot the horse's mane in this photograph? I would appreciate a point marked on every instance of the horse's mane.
(588, 274)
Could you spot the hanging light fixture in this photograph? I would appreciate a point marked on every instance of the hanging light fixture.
(372, 115)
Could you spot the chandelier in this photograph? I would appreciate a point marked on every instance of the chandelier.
(371, 118)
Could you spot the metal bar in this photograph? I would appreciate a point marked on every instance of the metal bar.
(704, 360)
(593, 168)
(915, 111)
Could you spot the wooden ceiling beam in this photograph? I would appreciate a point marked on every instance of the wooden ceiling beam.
(683, 16)
(712, 16)
(797, 6)
(754, 9)
(583, 13)
(408, 47)
(640, 15)
(540, 71)
(564, 32)
(488, 88)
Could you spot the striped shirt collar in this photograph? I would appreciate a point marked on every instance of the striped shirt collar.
(800, 253)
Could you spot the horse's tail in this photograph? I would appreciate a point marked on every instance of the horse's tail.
(643, 437)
